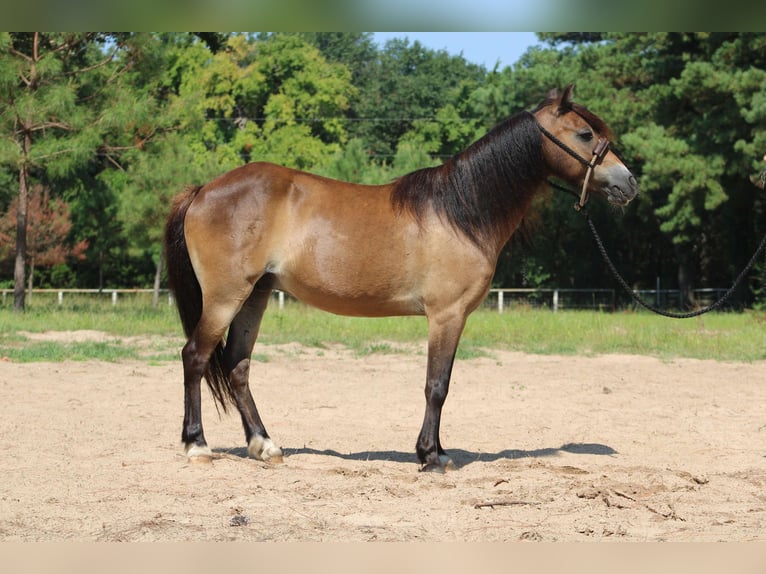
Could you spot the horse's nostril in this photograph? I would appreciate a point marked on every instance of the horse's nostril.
(632, 181)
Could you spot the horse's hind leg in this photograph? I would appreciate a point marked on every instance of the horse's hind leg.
(239, 346)
(196, 359)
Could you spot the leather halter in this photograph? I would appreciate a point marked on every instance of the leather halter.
(599, 153)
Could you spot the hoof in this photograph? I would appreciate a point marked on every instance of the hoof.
(445, 463)
(201, 460)
(199, 455)
(264, 449)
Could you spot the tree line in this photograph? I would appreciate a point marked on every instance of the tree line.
(98, 131)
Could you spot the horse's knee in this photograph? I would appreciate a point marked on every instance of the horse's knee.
(436, 392)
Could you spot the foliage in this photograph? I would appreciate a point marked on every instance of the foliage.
(114, 125)
(353, 163)
(274, 98)
(690, 112)
(47, 235)
(55, 96)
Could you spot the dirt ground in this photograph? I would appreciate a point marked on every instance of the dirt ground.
(549, 448)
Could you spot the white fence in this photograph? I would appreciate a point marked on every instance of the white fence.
(498, 299)
(553, 299)
(113, 294)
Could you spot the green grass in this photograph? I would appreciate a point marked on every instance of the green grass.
(721, 336)
(58, 351)
(131, 316)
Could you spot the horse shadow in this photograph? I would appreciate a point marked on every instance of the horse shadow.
(460, 457)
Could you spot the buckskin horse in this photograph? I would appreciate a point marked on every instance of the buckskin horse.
(425, 244)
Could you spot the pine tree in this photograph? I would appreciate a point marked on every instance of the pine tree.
(69, 107)
(46, 104)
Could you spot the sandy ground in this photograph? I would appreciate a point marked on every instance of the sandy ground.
(549, 448)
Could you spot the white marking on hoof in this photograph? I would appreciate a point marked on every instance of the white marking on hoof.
(446, 462)
(264, 449)
(198, 454)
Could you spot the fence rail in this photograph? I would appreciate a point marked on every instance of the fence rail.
(114, 294)
(497, 299)
(554, 299)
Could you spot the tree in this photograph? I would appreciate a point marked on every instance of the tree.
(409, 82)
(355, 50)
(153, 153)
(145, 188)
(115, 124)
(689, 112)
(698, 144)
(51, 88)
(47, 234)
(272, 98)
(353, 163)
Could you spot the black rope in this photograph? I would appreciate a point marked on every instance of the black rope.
(696, 313)
(644, 304)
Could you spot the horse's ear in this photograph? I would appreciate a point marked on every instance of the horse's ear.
(566, 97)
(565, 100)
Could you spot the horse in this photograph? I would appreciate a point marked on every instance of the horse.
(426, 243)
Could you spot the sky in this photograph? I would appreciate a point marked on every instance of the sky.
(485, 48)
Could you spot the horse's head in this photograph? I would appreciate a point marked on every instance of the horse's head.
(576, 149)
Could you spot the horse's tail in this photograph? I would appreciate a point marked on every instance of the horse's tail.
(188, 294)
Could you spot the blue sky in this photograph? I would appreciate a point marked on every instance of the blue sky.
(484, 48)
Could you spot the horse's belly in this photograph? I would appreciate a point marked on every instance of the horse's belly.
(358, 300)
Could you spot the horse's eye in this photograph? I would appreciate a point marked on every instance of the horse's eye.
(585, 135)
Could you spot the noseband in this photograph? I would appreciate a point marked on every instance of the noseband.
(599, 153)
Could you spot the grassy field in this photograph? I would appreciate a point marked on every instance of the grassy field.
(140, 332)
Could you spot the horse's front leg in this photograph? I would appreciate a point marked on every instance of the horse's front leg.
(443, 336)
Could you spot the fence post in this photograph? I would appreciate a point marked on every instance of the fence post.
(555, 300)
(500, 301)
(281, 300)
(114, 297)
(61, 297)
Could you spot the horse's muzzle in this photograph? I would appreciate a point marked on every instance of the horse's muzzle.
(621, 192)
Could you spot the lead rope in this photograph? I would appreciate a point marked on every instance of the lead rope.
(644, 304)
(695, 313)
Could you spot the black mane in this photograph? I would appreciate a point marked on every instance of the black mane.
(478, 189)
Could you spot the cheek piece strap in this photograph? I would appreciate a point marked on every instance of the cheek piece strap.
(599, 153)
